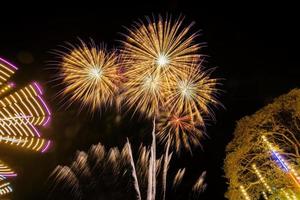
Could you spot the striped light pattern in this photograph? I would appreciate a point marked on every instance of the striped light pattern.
(283, 164)
(6, 171)
(5, 187)
(21, 112)
(6, 71)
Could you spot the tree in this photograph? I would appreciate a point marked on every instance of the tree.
(263, 158)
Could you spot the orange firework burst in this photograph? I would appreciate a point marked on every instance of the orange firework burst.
(153, 54)
(91, 75)
(178, 131)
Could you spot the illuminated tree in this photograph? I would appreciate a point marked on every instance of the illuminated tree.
(263, 159)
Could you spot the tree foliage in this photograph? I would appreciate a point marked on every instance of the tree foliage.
(279, 122)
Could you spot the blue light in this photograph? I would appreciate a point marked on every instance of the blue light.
(280, 161)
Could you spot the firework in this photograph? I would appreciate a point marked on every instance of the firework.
(178, 177)
(111, 174)
(200, 184)
(152, 54)
(90, 75)
(194, 94)
(178, 131)
(161, 46)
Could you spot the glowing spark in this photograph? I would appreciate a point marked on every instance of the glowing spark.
(162, 60)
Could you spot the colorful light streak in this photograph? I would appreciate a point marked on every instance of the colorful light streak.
(284, 165)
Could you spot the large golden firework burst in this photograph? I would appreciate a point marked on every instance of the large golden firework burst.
(154, 53)
(90, 75)
(164, 78)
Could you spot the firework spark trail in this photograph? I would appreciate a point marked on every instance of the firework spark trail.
(200, 184)
(167, 159)
(111, 170)
(134, 174)
(178, 177)
(153, 147)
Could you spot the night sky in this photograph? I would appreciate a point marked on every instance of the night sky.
(253, 47)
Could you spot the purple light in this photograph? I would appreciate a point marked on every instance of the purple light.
(47, 121)
(38, 87)
(9, 175)
(8, 63)
(12, 84)
(46, 147)
(45, 106)
(35, 130)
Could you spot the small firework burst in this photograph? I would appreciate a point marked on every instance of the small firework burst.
(90, 75)
(179, 131)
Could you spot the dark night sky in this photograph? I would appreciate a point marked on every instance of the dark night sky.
(253, 46)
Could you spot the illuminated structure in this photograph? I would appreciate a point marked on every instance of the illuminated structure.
(21, 113)
(5, 187)
(282, 163)
(5, 172)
